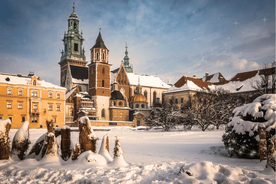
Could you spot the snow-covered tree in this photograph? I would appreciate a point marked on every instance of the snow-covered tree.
(104, 151)
(267, 83)
(118, 160)
(242, 132)
(20, 142)
(5, 125)
(212, 107)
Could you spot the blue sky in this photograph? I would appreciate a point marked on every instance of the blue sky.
(168, 38)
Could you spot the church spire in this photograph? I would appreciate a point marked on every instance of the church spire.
(127, 66)
(99, 42)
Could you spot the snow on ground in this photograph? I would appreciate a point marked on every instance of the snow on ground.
(153, 157)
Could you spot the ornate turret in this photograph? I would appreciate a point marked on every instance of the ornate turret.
(73, 40)
(73, 52)
(127, 66)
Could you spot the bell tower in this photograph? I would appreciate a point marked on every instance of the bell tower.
(128, 67)
(99, 77)
(73, 52)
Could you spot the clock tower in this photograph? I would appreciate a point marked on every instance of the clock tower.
(73, 52)
(99, 77)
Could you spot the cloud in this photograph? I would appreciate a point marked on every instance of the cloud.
(253, 65)
(240, 64)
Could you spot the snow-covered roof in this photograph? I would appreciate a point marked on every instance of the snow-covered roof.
(146, 80)
(25, 80)
(241, 86)
(190, 84)
(214, 78)
(69, 93)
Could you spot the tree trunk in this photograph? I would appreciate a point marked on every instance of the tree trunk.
(65, 143)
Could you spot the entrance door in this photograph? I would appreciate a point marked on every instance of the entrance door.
(138, 122)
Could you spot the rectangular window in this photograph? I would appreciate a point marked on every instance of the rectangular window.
(58, 107)
(23, 119)
(176, 101)
(20, 92)
(50, 108)
(20, 106)
(58, 95)
(76, 47)
(54, 120)
(182, 100)
(34, 119)
(34, 106)
(34, 93)
(50, 94)
(9, 105)
(9, 91)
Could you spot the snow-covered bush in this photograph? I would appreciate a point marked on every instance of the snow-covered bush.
(118, 160)
(242, 132)
(104, 151)
(5, 125)
(20, 142)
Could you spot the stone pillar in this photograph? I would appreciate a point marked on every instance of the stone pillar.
(65, 142)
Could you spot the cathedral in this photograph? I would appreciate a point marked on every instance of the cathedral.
(108, 97)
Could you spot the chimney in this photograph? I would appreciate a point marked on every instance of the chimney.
(195, 76)
(19, 75)
(206, 74)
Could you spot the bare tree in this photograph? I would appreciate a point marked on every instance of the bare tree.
(268, 79)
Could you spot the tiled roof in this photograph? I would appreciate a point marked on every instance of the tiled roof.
(246, 75)
(99, 42)
(214, 78)
(183, 80)
(79, 72)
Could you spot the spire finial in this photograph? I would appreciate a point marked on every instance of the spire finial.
(138, 80)
(73, 6)
(100, 29)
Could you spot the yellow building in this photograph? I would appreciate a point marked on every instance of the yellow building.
(27, 98)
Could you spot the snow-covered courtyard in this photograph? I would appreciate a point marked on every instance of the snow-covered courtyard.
(153, 157)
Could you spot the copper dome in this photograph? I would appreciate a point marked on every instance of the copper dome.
(138, 98)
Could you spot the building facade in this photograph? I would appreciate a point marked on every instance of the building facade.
(27, 98)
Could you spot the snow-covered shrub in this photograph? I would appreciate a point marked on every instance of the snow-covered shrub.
(5, 125)
(118, 160)
(20, 142)
(242, 132)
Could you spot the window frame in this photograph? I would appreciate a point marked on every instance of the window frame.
(9, 105)
(20, 105)
(20, 92)
(9, 91)
(50, 107)
(58, 107)
(58, 95)
(50, 94)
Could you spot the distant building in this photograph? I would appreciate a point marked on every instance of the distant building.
(185, 88)
(27, 98)
(214, 78)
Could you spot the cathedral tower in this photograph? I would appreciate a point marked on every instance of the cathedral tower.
(99, 77)
(127, 66)
(73, 52)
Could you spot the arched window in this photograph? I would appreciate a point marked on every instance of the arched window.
(103, 113)
(103, 70)
(102, 83)
(154, 97)
(137, 106)
(75, 26)
(143, 106)
(120, 104)
(146, 94)
(97, 55)
(103, 55)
